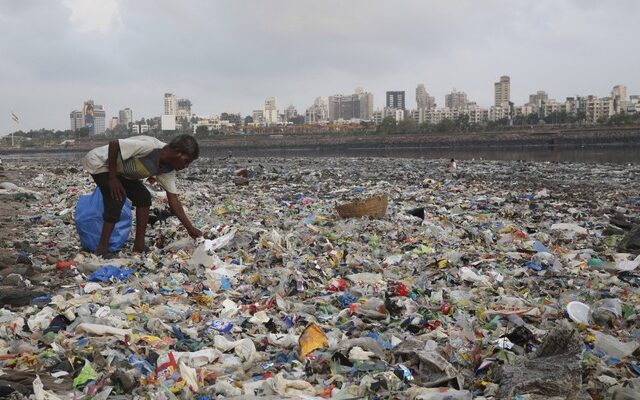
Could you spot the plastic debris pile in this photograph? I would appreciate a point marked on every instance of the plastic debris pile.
(500, 280)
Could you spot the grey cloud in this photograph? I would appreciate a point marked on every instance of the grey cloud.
(231, 55)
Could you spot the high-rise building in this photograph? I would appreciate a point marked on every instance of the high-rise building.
(318, 112)
(620, 98)
(258, 117)
(100, 117)
(77, 121)
(290, 112)
(92, 117)
(502, 92)
(395, 99)
(538, 99)
(344, 107)
(170, 104)
(113, 123)
(423, 100)
(184, 108)
(125, 117)
(366, 104)
(619, 92)
(270, 111)
(455, 100)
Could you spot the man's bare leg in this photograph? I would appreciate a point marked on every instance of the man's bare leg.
(142, 219)
(103, 245)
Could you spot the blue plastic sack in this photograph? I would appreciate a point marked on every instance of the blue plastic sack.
(89, 220)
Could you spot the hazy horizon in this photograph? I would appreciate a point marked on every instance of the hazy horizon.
(230, 56)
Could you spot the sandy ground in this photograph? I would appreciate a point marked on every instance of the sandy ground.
(12, 213)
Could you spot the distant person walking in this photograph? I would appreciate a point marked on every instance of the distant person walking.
(118, 169)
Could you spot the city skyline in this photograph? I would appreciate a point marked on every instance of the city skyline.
(228, 57)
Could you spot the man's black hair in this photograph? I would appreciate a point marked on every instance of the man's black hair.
(186, 144)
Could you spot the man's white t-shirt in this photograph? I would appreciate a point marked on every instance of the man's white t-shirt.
(96, 161)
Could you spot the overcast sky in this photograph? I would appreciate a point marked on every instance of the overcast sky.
(228, 56)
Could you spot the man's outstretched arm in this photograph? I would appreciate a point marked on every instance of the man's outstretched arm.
(176, 206)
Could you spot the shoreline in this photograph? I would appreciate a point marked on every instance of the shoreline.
(374, 141)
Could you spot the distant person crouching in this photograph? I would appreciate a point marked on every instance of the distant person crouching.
(452, 166)
(118, 169)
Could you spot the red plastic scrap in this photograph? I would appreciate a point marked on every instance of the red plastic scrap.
(399, 289)
(66, 264)
(337, 285)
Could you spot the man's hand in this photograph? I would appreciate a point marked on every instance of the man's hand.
(194, 232)
(117, 190)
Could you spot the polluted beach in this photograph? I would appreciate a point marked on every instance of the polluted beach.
(343, 278)
(348, 200)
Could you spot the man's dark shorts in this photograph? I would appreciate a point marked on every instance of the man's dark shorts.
(135, 189)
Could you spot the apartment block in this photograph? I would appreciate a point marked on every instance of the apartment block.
(423, 99)
(396, 99)
(318, 112)
(502, 92)
(125, 117)
(170, 104)
(455, 100)
(77, 121)
(271, 114)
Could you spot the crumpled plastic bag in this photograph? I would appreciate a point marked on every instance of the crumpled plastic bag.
(284, 387)
(195, 359)
(40, 393)
(109, 272)
(244, 348)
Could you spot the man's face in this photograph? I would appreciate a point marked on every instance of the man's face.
(182, 161)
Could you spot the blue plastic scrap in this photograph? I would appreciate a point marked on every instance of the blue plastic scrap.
(534, 266)
(221, 326)
(540, 248)
(225, 284)
(109, 272)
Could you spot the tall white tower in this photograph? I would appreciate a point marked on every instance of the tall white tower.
(170, 104)
(502, 91)
(271, 110)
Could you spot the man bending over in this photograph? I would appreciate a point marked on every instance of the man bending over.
(118, 169)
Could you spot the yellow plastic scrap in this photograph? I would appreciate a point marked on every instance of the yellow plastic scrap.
(311, 339)
(423, 250)
(150, 339)
(507, 229)
(442, 263)
(181, 255)
(246, 257)
(336, 257)
(320, 218)
(203, 300)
